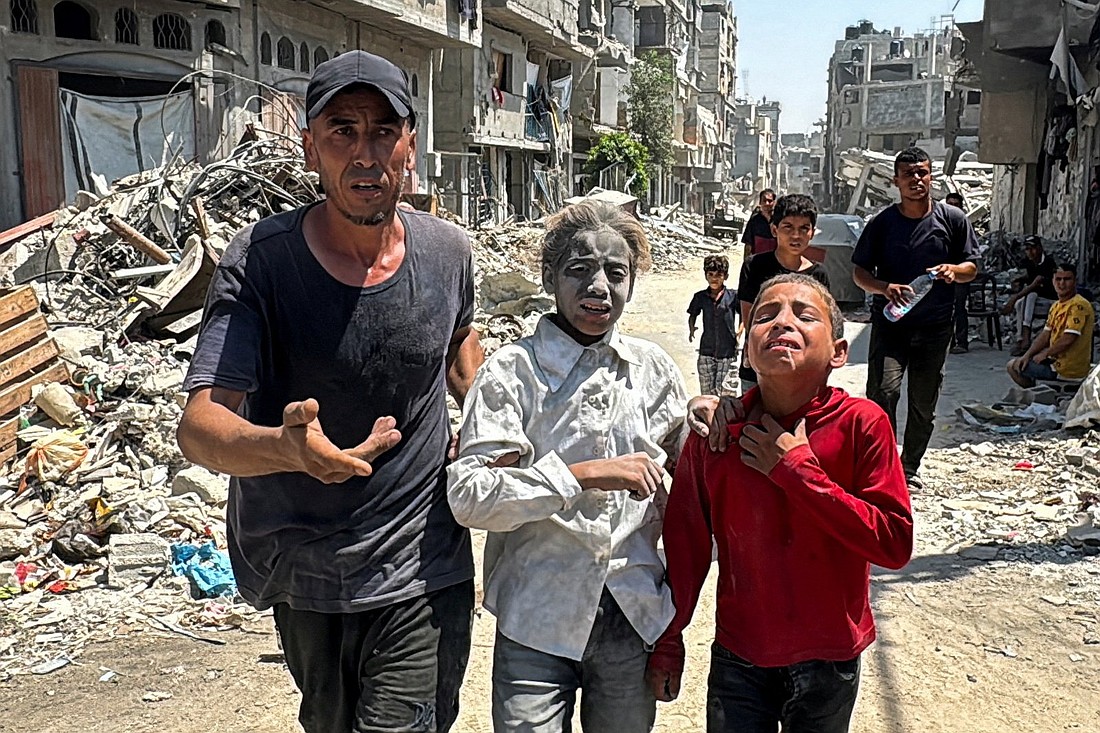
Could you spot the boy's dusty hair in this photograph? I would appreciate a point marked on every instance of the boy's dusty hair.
(794, 204)
(716, 263)
(836, 318)
(562, 229)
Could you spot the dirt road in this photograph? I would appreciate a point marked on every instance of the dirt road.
(970, 646)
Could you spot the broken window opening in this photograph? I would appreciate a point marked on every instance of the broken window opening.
(73, 20)
(303, 57)
(285, 54)
(215, 33)
(126, 26)
(265, 49)
(414, 85)
(320, 56)
(24, 16)
(172, 32)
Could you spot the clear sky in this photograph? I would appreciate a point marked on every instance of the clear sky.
(784, 45)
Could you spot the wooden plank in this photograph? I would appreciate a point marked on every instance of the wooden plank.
(19, 394)
(17, 303)
(40, 140)
(17, 232)
(8, 429)
(15, 367)
(22, 333)
(8, 453)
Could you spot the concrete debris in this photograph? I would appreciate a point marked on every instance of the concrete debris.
(212, 488)
(869, 178)
(136, 559)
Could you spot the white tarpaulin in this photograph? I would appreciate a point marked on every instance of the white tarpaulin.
(107, 138)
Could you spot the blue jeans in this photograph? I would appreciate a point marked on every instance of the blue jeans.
(535, 692)
(807, 697)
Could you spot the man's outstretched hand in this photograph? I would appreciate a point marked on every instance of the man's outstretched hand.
(314, 454)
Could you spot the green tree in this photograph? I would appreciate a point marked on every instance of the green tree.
(651, 107)
(619, 148)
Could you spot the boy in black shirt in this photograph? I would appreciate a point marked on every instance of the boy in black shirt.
(718, 344)
(794, 222)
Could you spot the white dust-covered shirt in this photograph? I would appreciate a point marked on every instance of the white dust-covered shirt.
(552, 547)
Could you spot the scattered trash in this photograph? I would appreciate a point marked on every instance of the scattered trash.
(207, 568)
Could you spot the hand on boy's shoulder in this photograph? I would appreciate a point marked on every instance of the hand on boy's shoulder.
(765, 446)
(708, 417)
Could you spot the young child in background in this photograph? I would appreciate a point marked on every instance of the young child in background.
(561, 453)
(813, 494)
(718, 344)
(794, 222)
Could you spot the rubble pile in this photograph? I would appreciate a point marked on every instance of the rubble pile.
(869, 177)
(1031, 499)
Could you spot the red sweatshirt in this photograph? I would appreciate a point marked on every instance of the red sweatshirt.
(795, 546)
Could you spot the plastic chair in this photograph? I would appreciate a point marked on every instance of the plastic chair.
(982, 303)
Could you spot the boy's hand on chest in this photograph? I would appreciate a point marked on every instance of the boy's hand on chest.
(764, 446)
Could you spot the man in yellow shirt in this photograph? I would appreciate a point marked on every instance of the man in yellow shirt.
(1064, 349)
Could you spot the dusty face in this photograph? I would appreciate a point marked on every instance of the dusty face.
(767, 203)
(1065, 284)
(914, 180)
(592, 283)
(793, 234)
(790, 332)
(361, 150)
(715, 279)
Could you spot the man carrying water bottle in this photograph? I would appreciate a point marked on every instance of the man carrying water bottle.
(901, 244)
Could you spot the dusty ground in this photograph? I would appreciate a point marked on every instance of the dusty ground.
(974, 646)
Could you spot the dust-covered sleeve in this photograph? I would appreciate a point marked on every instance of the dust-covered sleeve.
(498, 498)
(466, 291)
(230, 343)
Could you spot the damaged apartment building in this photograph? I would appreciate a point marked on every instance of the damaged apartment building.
(704, 79)
(757, 146)
(1038, 66)
(518, 114)
(889, 90)
(99, 89)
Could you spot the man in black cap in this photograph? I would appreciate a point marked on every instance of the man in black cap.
(1036, 286)
(330, 338)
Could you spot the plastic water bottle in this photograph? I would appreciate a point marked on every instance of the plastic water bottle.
(920, 287)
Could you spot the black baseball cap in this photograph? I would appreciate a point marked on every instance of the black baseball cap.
(359, 67)
(1033, 240)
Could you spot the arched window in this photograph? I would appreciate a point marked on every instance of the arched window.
(285, 54)
(265, 49)
(320, 56)
(414, 85)
(215, 33)
(126, 26)
(303, 57)
(73, 20)
(24, 16)
(172, 32)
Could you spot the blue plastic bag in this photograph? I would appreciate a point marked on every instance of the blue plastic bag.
(207, 568)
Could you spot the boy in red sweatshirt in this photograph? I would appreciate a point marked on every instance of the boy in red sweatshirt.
(813, 494)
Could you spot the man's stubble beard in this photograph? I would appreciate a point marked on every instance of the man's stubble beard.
(382, 216)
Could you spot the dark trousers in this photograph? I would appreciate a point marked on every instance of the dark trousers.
(395, 668)
(807, 697)
(962, 318)
(894, 349)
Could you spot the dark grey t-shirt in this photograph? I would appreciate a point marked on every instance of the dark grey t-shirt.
(280, 328)
(897, 249)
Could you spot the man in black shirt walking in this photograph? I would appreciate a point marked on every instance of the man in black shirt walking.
(903, 241)
(758, 236)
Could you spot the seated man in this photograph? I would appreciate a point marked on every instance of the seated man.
(1037, 284)
(1064, 348)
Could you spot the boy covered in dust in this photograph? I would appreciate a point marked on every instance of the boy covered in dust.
(562, 447)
